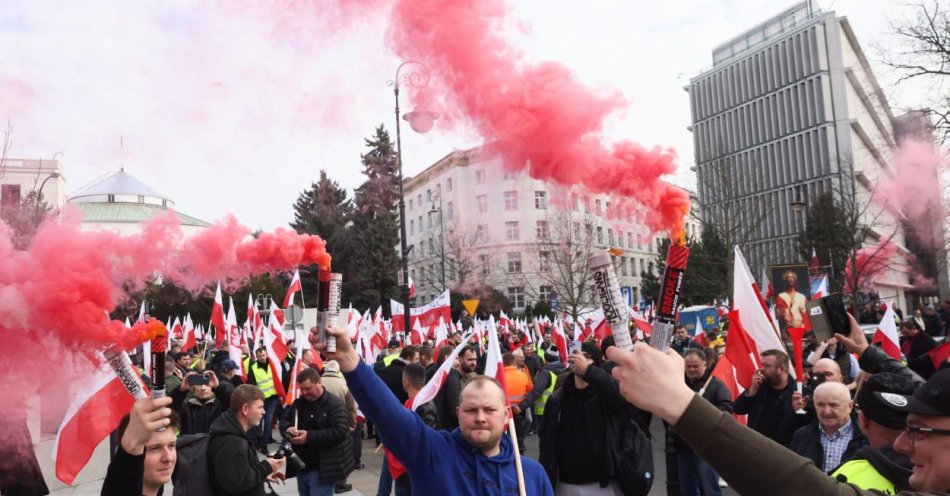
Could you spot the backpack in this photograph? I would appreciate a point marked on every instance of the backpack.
(191, 476)
(633, 467)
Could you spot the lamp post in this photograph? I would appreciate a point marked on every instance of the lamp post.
(39, 194)
(441, 235)
(416, 75)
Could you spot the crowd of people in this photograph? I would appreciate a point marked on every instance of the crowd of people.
(863, 423)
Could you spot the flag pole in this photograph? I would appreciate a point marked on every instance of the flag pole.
(514, 442)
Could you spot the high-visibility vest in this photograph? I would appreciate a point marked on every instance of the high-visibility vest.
(388, 359)
(543, 400)
(264, 380)
(862, 474)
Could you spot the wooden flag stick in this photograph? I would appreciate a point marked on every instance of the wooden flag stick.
(517, 449)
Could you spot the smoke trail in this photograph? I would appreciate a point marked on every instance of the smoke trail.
(537, 116)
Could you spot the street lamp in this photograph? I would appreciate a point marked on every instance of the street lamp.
(441, 235)
(416, 75)
(39, 193)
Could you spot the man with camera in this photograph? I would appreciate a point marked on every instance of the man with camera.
(209, 399)
(317, 429)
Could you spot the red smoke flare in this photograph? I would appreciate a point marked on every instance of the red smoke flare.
(538, 117)
(869, 263)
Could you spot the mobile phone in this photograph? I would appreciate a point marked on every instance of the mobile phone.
(828, 316)
(198, 380)
(574, 346)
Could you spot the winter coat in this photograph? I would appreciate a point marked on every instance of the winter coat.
(807, 442)
(541, 381)
(716, 393)
(392, 377)
(446, 402)
(196, 417)
(440, 462)
(767, 409)
(125, 475)
(232, 460)
(329, 447)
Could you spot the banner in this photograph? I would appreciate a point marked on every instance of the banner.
(427, 315)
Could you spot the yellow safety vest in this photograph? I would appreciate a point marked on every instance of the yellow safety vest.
(862, 474)
(543, 400)
(264, 380)
(388, 359)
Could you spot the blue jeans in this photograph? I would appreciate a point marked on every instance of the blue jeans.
(308, 484)
(270, 406)
(695, 474)
(386, 482)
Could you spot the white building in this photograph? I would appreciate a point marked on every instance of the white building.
(121, 203)
(20, 177)
(505, 229)
(789, 110)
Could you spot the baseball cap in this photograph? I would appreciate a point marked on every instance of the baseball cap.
(393, 343)
(229, 365)
(933, 398)
(875, 408)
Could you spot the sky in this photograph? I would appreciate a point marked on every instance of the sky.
(235, 106)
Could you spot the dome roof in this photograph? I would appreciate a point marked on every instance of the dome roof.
(122, 184)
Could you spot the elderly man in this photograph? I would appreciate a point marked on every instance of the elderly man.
(832, 437)
(648, 378)
(476, 458)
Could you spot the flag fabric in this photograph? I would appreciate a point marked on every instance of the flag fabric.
(432, 388)
(412, 288)
(177, 329)
(560, 340)
(217, 318)
(141, 313)
(726, 373)
(416, 336)
(95, 411)
(441, 335)
(352, 323)
(815, 266)
(748, 301)
(939, 354)
(819, 286)
(886, 334)
(503, 320)
(494, 367)
(292, 289)
(766, 289)
(191, 341)
(642, 324)
(741, 350)
(276, 351)
(428, 314)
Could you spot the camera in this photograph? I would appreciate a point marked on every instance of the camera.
(814, 380)
(286, 451)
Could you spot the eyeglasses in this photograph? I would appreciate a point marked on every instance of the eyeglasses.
(913, 432)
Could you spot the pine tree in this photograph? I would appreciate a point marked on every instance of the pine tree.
(323, 210)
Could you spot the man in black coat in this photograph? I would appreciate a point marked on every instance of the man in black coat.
(769, 399)
(318, 426)
(392, 373)
(209, 399)
(232, 460)
(446, 401)
(915, 344)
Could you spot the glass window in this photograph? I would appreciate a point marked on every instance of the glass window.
(511, 231)
(485, 267)
(482, 202)
(544, 293)
(600, 235)
(448, 184)
(541, 200)
(542, 230)
(480, 176)
(514, 262)
(610, 236)
(511, 200)
(450, 210)
(516, 296)
(412, 226)
(597, 207)
(410, 204)
(544, 261)
(623, 266)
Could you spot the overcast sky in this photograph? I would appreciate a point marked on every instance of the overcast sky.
(222, 113)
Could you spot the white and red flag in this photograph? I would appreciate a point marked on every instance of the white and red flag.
(177, 329)
(431, 389)
(276, 351)
(191, 341)
(886, 334)
(235, 339)
(815, 265)
(217, 318)
(428, 314)
(748, 301)
(441, 334)
(412, 288)
(819, 286)
(766, 289)
(95, 411)
(416, 335)
(560, 340)
(494, 367)
(292, 289)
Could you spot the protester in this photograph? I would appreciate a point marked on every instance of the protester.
(647, 379)
(518, 385)
(229, 370)
(259, 374)
(146, 456)
(847, 365)
(544, 382)
(531, 359)
(769, 399)
(468, 361)
(682, 341)
(232, 460)
(335, 384)
(914, 345)
(441, 462)
(391, 375)
(209, 399)
(413, 380)
(933, 324)
(577, 449)
(833, 436)
(695, 476)
(317, 426)
(446, 402)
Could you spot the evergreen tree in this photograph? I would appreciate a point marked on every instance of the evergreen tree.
(829, 231)
(372, 244)
(323, 210)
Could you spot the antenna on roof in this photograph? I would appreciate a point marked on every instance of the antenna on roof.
(122, 154)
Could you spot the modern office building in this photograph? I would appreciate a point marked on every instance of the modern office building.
(507, 230)
(791, 109)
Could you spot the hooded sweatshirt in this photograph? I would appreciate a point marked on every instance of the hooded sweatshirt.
(440, 462)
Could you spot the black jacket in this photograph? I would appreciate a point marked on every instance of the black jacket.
(716, 393)
(807, 442)
(603, 410)
(392, 377)
(446, 402)
(328, 447)
(541, 381)
(767, 409)
(933, 325)
(125, 475)
(196, 417)
(232, 460)
(534, 364)
(917, 359)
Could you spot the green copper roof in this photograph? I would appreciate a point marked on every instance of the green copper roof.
(130, 212)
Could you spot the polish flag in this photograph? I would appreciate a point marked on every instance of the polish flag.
(191, 341)
(235, 341)
(748, 301)
(766, 289)
(352, 323)
(217, 318)
(429, 313)
(141, 313)
(815, 265)
(292, 290)
(293, 391)
(177, 329)
(819, 286)
(560, 340)
(363, 345)
(741, 351)
(644, 328)
(503, 320)
(494, 367)
(725, 371)
(412, 288)
(431, 389)
(416, 336)
(95, 411)
(886, 334)
(377, 337)
(276, 351)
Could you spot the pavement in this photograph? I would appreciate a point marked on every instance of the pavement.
(364, 481)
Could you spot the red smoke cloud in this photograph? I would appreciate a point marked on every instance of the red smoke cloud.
(537, 116)
(871, 262)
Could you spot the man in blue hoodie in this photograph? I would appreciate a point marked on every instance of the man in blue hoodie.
(474, 459)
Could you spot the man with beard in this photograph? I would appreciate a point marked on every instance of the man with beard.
(769, 399)
(696, 476)
(790, 304)
(468, 361)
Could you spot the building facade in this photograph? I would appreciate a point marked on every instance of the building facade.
(470, 222)
(790, 110)
(20, 177)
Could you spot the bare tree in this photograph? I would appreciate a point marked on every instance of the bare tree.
(465, 256)
(5, 148)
